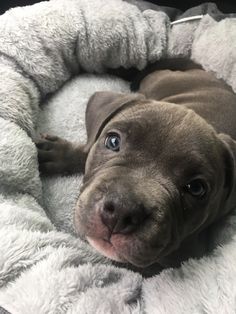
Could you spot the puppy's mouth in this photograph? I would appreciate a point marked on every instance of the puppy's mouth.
(106, 248)
(120, 249)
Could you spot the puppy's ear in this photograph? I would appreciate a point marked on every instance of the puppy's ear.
(229, 161)
(102, 106)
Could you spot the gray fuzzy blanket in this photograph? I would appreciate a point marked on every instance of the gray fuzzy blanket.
(44, 268)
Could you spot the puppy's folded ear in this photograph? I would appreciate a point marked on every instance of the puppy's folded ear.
(230, 162)
(102, 106)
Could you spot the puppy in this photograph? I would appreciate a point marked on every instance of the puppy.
(159, 167)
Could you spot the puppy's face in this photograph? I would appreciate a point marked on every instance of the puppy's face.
(153, 177)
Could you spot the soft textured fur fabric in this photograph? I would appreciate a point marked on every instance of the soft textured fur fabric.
(44, 269)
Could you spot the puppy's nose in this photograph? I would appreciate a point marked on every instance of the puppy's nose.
(122, 218)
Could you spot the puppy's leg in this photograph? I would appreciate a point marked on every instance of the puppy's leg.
(58, 156)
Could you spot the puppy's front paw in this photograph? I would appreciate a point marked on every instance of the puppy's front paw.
(53, 155)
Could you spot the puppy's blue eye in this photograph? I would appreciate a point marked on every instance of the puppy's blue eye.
(112, 142)
(197, 188)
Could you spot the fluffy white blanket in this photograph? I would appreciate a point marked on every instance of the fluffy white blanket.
(44, 268)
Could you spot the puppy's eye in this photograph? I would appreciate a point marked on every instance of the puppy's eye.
(197, 188)
(112, 142)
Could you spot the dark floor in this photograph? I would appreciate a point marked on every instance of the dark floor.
(226, 6)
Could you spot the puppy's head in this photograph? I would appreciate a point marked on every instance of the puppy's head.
(155, 174)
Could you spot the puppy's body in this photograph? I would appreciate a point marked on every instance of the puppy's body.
(154, 198)
(198, 90)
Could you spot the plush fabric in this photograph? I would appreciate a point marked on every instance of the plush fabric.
(44, 268)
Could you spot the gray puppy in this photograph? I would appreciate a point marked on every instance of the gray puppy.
(159, 167)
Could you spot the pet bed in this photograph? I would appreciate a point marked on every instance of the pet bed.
(44, 49)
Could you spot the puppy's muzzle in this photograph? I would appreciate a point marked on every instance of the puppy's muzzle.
(121, 215)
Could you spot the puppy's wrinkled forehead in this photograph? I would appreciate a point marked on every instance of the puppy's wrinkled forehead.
(159, 125)
(161, 138)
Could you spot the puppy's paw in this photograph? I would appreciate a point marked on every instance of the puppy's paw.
(53, 155)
